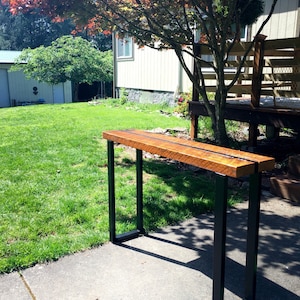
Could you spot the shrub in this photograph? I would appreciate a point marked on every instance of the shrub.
(123, 96)
(183, 105)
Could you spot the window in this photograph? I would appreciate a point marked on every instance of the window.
(125, 48)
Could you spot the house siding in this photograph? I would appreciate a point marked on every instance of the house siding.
(284, 22)
(153, 72)
(21, 88)
(68, 92)
(18, 90)
(144, 71)
(4, 91)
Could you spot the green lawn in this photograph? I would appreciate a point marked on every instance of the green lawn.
(53, 180)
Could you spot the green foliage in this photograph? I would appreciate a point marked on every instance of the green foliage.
(165, 24)
(53, 180)
(32, 29)
(67, 58)
(21, 31)
(123, 96)
(244, 11)
(250, 11)
(182, 106)
(205, 128)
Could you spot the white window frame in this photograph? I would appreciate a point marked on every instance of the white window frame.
(125, 48)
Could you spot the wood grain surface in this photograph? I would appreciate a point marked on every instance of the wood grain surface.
(226, 161)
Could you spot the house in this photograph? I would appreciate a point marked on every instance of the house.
(153, 76)
(16, 89)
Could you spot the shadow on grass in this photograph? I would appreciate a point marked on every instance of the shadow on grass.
(189, 193)
(185, 192)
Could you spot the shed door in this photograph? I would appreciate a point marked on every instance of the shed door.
(58, 93)
(4, 92)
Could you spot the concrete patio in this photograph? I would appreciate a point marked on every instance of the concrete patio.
(174, 262)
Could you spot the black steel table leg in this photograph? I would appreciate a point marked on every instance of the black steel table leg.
(220, 236)
(111, 191)
(113, 237)
(139, 190)
(252, 235)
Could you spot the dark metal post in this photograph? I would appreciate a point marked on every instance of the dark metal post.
(111, 191)
(252, 235)
(220, 236)
(139, 190)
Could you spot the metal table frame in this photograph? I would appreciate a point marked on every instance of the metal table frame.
(219, 225)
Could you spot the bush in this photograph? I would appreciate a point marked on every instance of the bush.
(183, 105)
(123, 96)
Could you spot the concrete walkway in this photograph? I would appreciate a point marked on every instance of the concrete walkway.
(173, 263)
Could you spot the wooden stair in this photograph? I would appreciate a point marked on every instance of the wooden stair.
(288, 186)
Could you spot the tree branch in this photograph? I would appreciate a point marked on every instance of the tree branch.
(239, 70)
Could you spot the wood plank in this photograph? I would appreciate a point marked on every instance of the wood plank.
(282, 43)
(281, 93)
(222, 160)
(286, 93)
(241, 89)
(239, 48)
(279, 62)
(246, 88)
(235, 64)
(237, 89)
(231, 64)
(267, 89)
(228, 76)
(281, 77)
(279, 53)
(193, 156)
(278, 117)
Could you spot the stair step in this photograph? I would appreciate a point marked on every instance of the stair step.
(294, 165)
(286, 186)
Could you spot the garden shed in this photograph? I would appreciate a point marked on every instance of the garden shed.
(16, 89)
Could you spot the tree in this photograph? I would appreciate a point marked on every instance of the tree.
(32, 29)
(170, 24)
(68, 58)
(29, 30)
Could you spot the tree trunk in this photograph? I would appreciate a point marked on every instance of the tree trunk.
(220, 132)
(218, 120)
(219, 127)
(216, 116)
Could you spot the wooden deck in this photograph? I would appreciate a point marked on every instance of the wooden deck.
(279, 117)
(271, 69)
